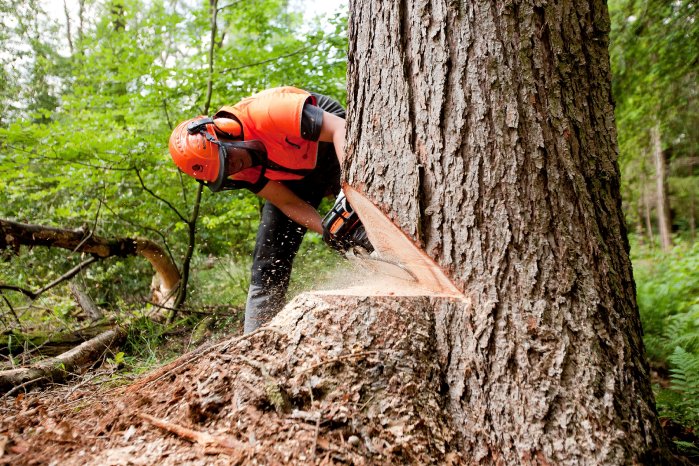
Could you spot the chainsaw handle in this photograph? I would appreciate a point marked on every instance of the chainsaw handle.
(342, 228)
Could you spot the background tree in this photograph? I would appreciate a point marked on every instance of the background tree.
(655, 61)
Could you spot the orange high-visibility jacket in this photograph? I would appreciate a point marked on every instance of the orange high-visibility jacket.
(273, 117)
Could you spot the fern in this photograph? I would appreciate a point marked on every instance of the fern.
(682, 330)
(668, 300)
(684, 374)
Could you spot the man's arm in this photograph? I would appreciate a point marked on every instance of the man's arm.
(333, 130)
(293, 206)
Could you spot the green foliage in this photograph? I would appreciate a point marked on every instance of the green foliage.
(668, 299)
(143, 340)
(655, 64)
(83, 123)
(315, 266)
(685, 381)
(221, 281)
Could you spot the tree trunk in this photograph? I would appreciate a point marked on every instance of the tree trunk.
(692, 206)
(85, 302)
(661, 189)
(640, 226)
(647, 216)
(486, 132)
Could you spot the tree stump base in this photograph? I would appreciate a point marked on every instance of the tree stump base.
(343, 378)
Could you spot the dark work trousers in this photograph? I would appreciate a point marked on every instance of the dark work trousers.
(279, 238)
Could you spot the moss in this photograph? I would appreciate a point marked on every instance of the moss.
(276, 396)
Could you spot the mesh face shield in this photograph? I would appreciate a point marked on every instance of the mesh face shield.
(255, 149)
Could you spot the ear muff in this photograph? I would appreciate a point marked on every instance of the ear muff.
(229, 126)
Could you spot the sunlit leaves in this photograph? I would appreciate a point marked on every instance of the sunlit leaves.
(75, 126)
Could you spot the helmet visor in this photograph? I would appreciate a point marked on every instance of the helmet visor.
(237, 156)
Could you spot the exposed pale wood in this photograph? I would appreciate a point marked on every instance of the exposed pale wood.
(392, 244)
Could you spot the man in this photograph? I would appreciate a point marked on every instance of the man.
(285, 145)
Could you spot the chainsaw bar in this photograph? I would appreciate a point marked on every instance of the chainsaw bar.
(376, 264)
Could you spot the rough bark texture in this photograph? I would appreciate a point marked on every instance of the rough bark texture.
(486, 131)
(167, 277)
(85, 302)
(43, 344)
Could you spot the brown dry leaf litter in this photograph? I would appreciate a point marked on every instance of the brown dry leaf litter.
(327, 384)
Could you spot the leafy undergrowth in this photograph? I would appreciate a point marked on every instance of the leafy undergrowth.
(668, 299)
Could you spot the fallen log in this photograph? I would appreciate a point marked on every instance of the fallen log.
(58, 368)
(47, 344)
(167, 278)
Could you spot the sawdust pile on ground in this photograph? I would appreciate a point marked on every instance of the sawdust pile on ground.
(306, 393)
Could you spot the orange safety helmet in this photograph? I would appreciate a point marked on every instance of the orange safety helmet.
(196, 149)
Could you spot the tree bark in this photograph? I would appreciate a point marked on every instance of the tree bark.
(692, 205)
(647, 215)
(14, 234)
(501, 160)
(661, 201)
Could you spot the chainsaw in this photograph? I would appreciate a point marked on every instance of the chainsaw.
(343, 230)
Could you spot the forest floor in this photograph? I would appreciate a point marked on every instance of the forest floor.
(236, 399)
(88, 422)
(267, 397)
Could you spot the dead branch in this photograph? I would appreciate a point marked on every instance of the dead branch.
(58, 368)
(21, 386)
(28, 293)
(85, 302)
(15, 234)
(50, 344)
(12, 309)
(66, 276)
(195, 436)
